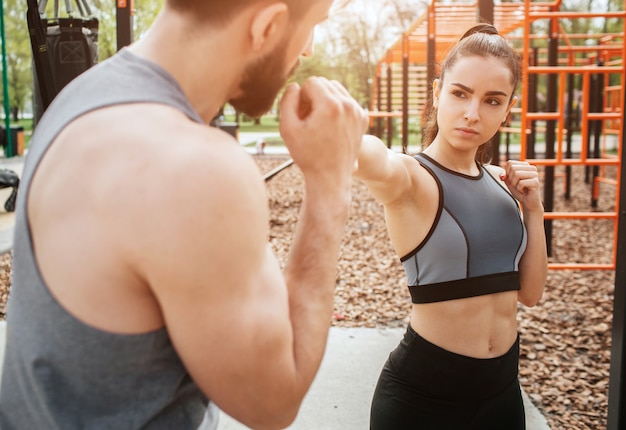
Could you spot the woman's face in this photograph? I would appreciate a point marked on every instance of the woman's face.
(472, 102)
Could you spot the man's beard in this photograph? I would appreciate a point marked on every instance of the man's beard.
(261, 83)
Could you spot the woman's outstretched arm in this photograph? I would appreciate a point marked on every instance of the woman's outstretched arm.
(384, 171)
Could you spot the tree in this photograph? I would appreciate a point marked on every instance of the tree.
(144, 13)
(18, 56)
(357, 35)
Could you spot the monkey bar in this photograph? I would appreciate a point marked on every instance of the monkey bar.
(559, 62)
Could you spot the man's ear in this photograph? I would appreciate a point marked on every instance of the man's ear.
(268, 23)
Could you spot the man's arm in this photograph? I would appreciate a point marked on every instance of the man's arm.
(323, 128)
(250, 337)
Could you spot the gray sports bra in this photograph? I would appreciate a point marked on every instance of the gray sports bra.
(475, 244)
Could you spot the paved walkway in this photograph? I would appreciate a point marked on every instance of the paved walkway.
(340, 396)
(341, 393)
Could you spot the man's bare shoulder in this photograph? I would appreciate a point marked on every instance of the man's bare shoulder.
(153, 161)
(161, 198)
(157, 143)
(191, 160)
(169, 134)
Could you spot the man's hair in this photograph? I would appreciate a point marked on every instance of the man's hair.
(220, 12)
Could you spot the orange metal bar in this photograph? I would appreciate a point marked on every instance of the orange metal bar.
(381, 114)
(580, 215)
(606, 180)
(580, 266)
(584, 128)
(620, 149)
(575, 15)
(543, 115)
(573, 162)
(525, 66)
(557, 115)
(561, 120)
(575, 69)
(605, 115)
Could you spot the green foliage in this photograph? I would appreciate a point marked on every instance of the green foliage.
(104, 10)
(594, 25)
(144, 13)
(357, 36)
(18, 47)
(19, 55)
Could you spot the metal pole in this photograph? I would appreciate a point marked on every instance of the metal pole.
(389, 107)
(5, 86)
(431, 48)
(405, 93)
(532, 105)
(569, 125)
(269, 175)
(617, 376)
(597, 135)
(379, 105)
(485, 12)
(124, 22)
(550, 131)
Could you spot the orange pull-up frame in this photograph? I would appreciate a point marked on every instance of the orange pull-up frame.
(612, 115)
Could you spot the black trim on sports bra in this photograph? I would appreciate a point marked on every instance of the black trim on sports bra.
(464, 288)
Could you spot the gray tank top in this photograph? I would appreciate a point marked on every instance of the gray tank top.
(475, 243)
(62, 374)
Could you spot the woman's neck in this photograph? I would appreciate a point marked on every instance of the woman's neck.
(457, 161)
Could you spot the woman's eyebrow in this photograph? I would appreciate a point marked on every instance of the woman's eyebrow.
(463, 87)
(471, 91)
(496, 93)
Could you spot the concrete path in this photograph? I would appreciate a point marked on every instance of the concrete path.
(340, 396)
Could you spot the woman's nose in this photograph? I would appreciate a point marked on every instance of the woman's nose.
(471, 113)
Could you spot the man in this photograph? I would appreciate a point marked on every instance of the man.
(143, 283)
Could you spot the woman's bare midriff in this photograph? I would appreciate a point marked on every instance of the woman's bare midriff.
(479, 327)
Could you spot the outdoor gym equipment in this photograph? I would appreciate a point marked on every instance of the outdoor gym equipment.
(9, 179)
(63, 48)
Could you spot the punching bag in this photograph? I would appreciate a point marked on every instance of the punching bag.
(67, 47)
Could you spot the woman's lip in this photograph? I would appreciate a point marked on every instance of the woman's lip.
(467, 131)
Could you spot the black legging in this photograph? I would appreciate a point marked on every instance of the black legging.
(423, 386)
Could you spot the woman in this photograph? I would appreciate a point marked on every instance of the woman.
(469, 251)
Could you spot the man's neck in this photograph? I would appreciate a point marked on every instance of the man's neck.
(204, 63)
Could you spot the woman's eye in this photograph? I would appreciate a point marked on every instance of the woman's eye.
(458, 93)
(493, 102)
